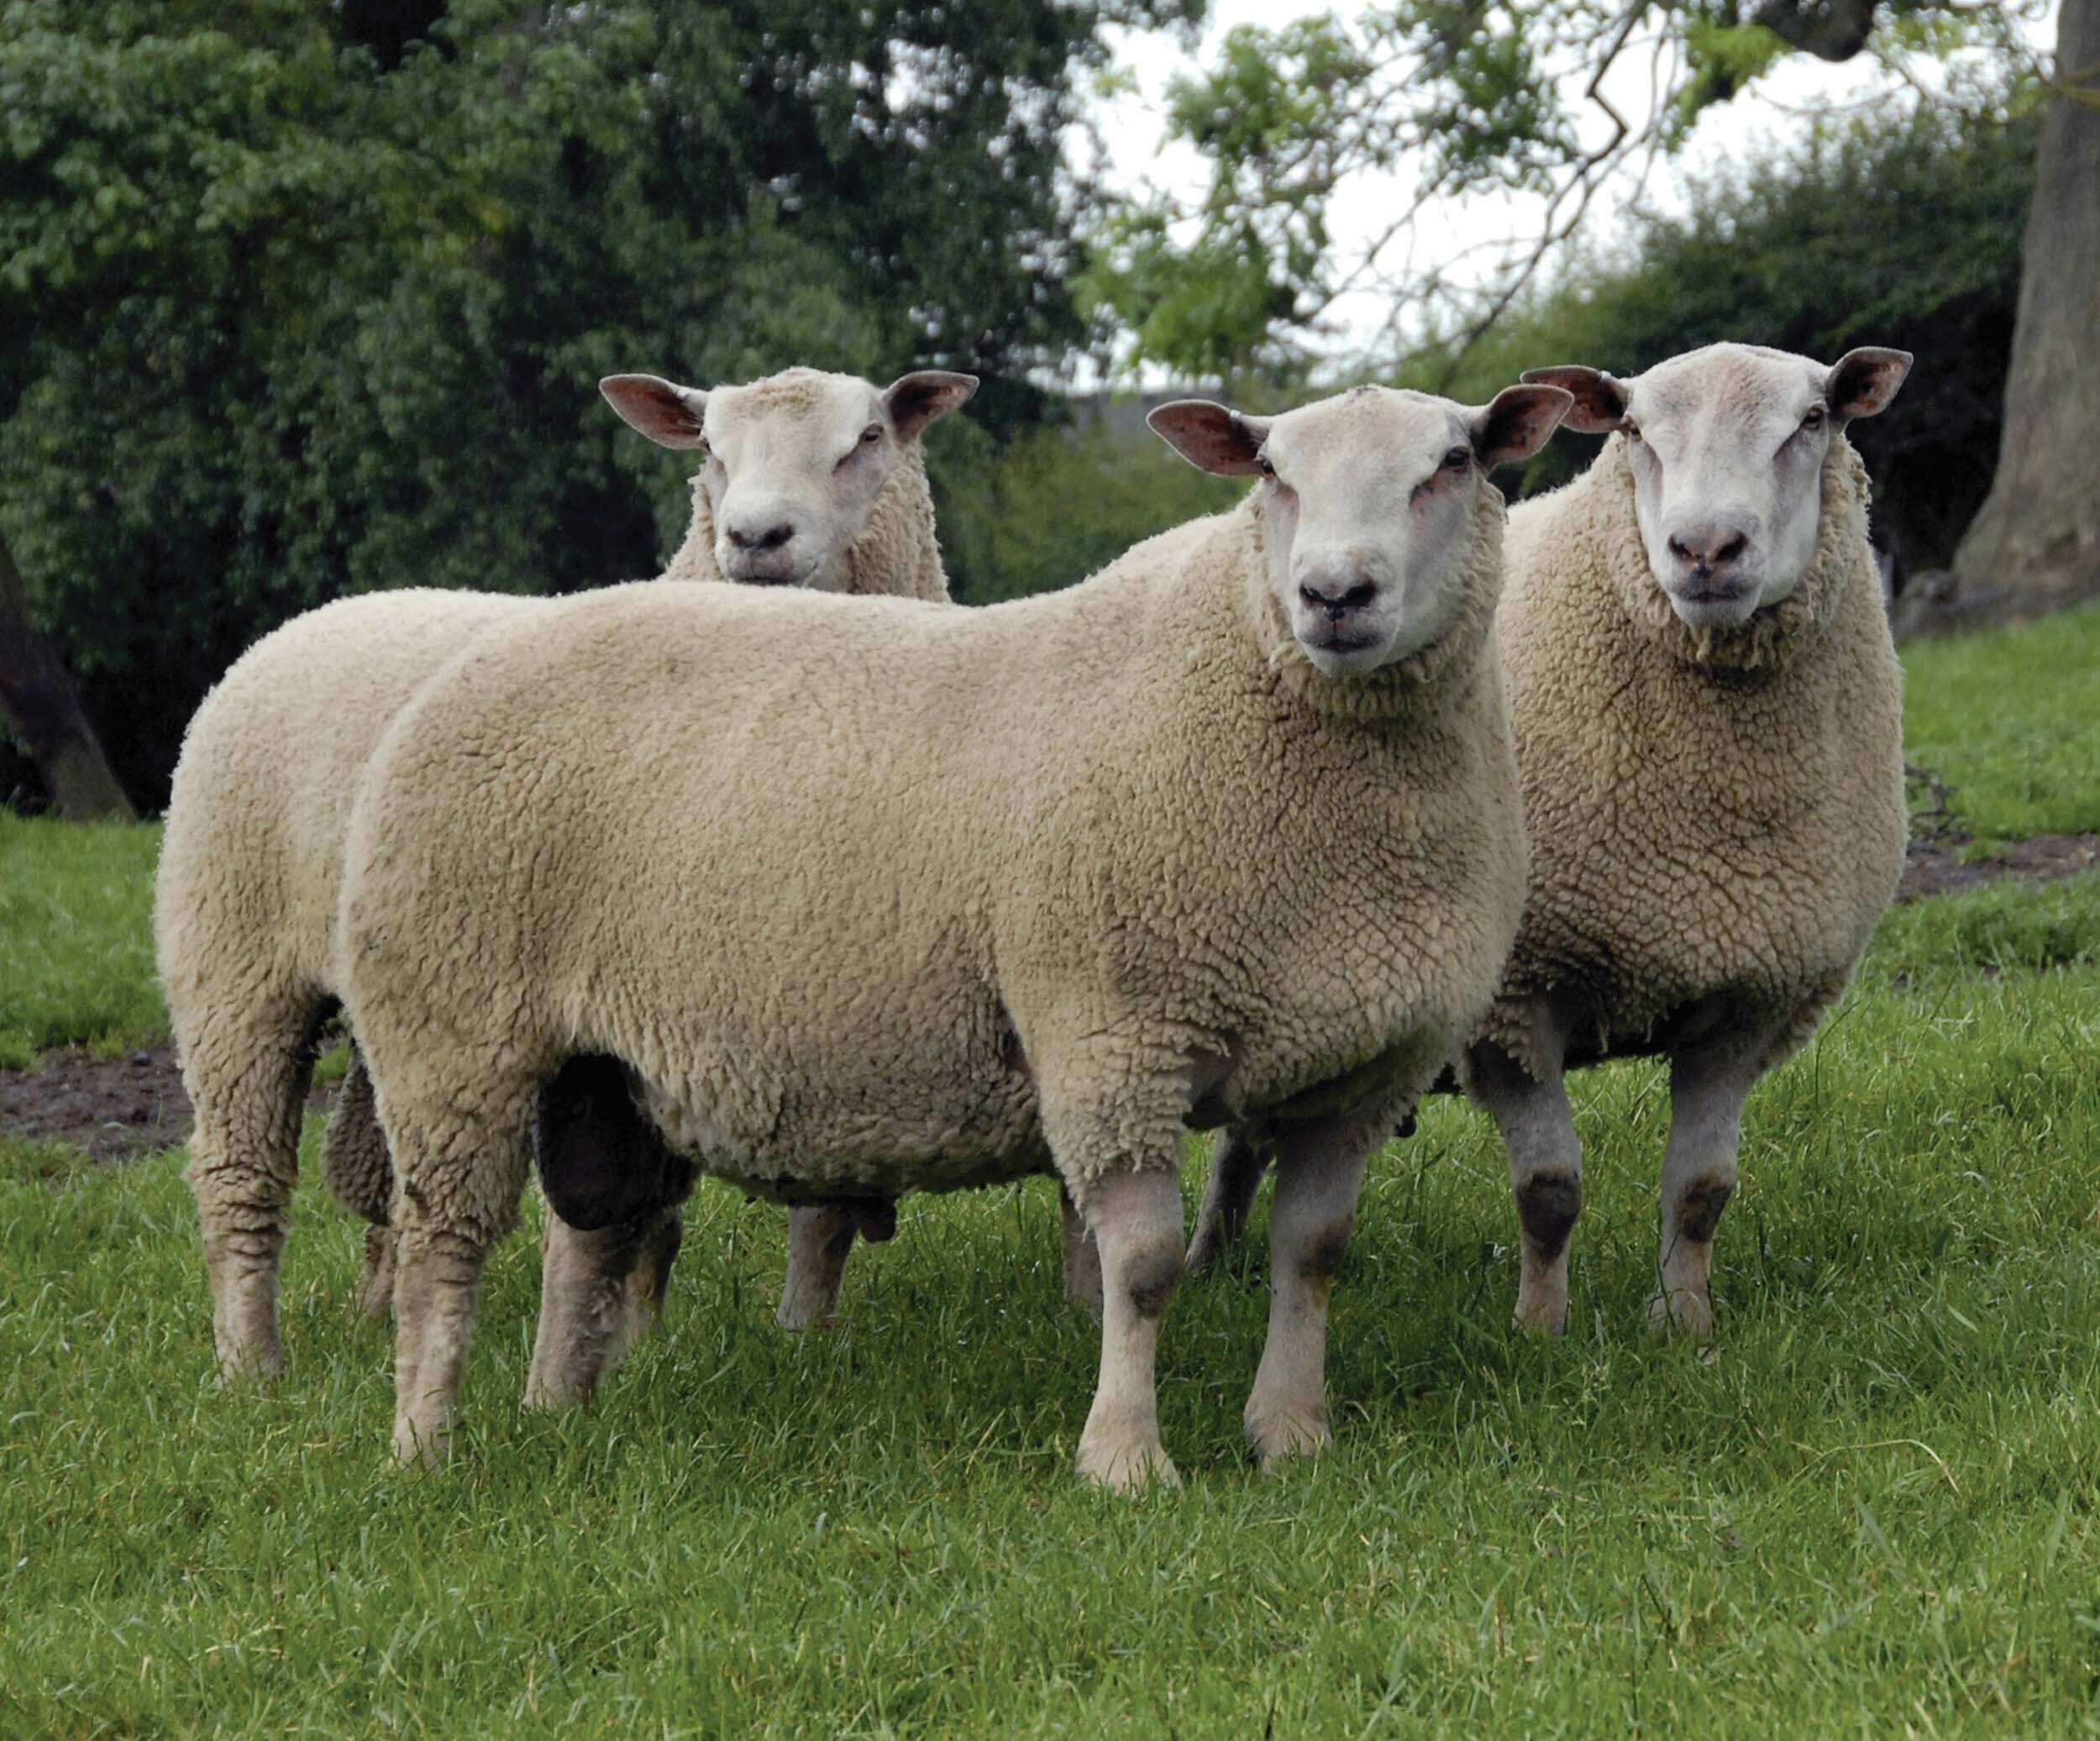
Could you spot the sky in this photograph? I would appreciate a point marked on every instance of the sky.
(1132, 127)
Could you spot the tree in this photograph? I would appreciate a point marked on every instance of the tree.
(38, 702)
(300, 297)
(1475, 96)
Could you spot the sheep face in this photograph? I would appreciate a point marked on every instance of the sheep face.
(1726, 445)
(1369, 502)
(794, 462)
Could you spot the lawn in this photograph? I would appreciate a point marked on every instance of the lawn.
(1874, 1508)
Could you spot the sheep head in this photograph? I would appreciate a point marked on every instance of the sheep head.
(1726, 446)
(794, 462)
(1369, 498)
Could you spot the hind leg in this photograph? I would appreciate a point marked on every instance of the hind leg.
(247, 1082)
(594, 1303)
(1237, 1161)
(360, 1174)
(820, 1239)
(613, 1190)
(462, 1161)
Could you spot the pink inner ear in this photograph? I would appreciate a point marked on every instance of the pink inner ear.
(655, 407)
(1208, 436)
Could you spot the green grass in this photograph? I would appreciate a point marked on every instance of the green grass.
(1876, 1508)
(2011, 720)
(76, 921)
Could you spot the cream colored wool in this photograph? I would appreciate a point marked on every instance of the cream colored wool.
(248, 881)
(1710, 813)
(883, 897)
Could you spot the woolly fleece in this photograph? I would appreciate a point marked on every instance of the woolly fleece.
(1708, 812)
(880, 897)
(250, 871)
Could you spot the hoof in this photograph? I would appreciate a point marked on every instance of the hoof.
(415, 1448)
(1276, 1439)
(1541, 1312)
(1206, 1249)
(251, 1368)
(1682, 1312)
(1127, 1468)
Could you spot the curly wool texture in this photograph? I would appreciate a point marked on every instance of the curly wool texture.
(1711, 813)
(896, 555)
(250, 868)
(880, 897)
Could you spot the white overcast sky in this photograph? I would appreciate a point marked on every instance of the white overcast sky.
(1133, 128)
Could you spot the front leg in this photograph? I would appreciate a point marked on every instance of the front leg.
(820, 1241)
(1545, 1173)
(1709, 1085)
(1137, 1222)
(1319, 1177)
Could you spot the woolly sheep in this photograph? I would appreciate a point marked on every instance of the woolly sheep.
(251, 861)
(1707, 713)
(893, 897)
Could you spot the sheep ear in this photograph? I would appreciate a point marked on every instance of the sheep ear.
(669, 414)
(1600, 398)
(912, 402)
(1862, 382)
(1211, 437)
(1518, 423)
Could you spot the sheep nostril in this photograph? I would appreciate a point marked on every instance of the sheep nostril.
(771, 539)
(1678, 550)
(1358, 596)
(1732, 549)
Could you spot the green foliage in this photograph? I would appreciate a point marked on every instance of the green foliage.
(1460, 98)
(1901, 229)
(286, 313)
(1058, 504)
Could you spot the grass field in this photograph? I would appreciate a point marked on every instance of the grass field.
(1874, 1510)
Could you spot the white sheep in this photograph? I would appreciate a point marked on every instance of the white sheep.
(1708, 713)
(811, 480)
(891, 897)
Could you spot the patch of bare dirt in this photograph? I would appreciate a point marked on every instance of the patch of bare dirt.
(112, 1108)
(1936, 867)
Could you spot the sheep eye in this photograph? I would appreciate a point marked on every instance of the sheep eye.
(1633, 431)
(1815, 418)
(871, 435)
(1456, 460)
(1261, 464)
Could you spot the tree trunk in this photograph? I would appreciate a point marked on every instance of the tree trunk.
(38, 702)
(2035, 543)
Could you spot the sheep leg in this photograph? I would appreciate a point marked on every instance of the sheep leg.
(820, 1239)
(594, 1305)
(248, 1085)
(1319, 1177)
(1237, 1161)
(1082, 1257)
(1136, 1220)
(1545, 1176)
(462, 1144)
(360, 1174)
(1708, 1089)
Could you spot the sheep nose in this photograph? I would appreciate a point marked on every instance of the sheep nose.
(770, 538)
(1712, 545)
(1337, 598)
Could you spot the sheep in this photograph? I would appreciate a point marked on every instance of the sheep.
(866, 530)
(811, 480)
(1708, 713)
(893, 897)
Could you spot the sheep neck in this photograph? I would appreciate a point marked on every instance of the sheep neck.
(1774, 636)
